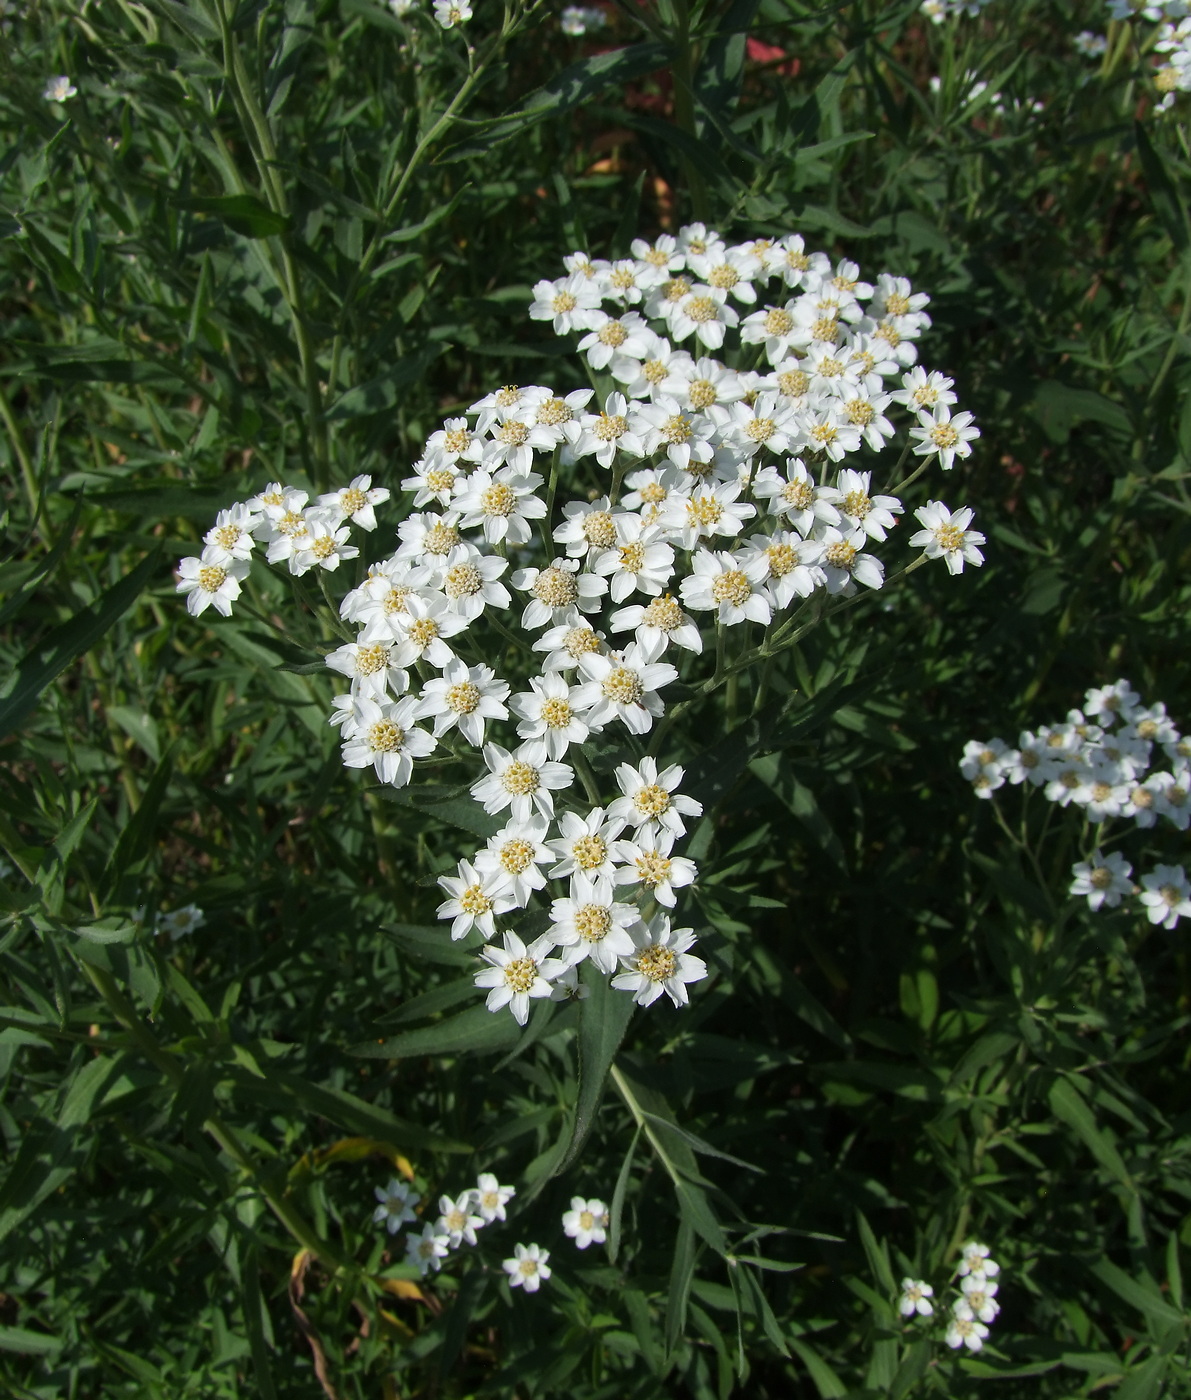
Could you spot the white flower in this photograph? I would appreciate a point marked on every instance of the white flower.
(795, 496)
(382, 733)
(585, 843)
(641, 561)
(431, 1247)
(449, 13)
(1166, 895)
(560, 416)
(660, 963)
(1090, 45)
(429, 537)
(650, 489)
(503, 504)
(624, 686)
(766, 423)
(573, 638)
(522, 781)
(469, 581)
(356, 502)
(603, 434)
(682, 434)
(730, 586)
(1102, 880)
(211, 581)
(707, 511)
(527, 1268)
(653, 796)
(59, 89)
(371, 667)
(789, 563)
(1171, 796)
(491, 1197)
(514, 439)
(422, 630)
(895, 301)
(323, 545)
(705, 314)
(923, 390)
(517, 974)
(775, 327)
(916, 1296)
(464, 696)
(980, 1294)
(591, 923)
(950, 437)
(823, 427)
(705, 383)
(586, 1222)
(396, 1206)
(231, 535)
(965, 1329)
(384, 594)
(796, 266)
(647, 861)
(655, 625)
(873, 514)
(975, 1259)
(456, 1220)
(514, 857)
(556, 589)
(476, 897)
(1106, 704)
(181, 922)
(946, 536)
(571, 303)
(842, 561)
(433, 482)
(658, 372)
(551, 711)
(614, 335)
(586, 526)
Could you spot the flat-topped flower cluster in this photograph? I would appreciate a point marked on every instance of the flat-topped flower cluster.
(1102, 759)
(974, 1305)
(734, 504)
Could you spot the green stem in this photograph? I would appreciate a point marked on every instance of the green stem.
(28, 474)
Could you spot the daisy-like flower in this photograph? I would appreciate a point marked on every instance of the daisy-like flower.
(431, 1247)
(527, 1268)
(59, 89)
(875, 515)
(464, 697)
(1109, 703)
(422, 631)
(612, 430)
(680, 433)
(433, 482)
(624, 686)
(655, 374)
(475, 897)
(652, 796)
(429, 537)
(1172, 796)
(1153, 725)
(503, 504)
(925, 390)
(513, 440)
(551, 712)
(371, 668)
(705, 383)
(396, 1205)
(647, 861)
(454, 445)
(470, 582)
(573, 638)
(626, 281)
(1102, 880)
(775, 327)
(945, 535)
(591, 923)
(660, 963)
(708, 510)
(457, 1221)
(324, 546)
(522, 781)
(450, 13)
(983, 757)
(938, 431)
(663, 255)
(514, 857)
(731, 587)
(797, 267)
(586, 526)
(655, 625)
(896, 301)
(794, 496)
(790, 565)
(766, 423)
(560, 415)
(231, 535)
(555, 590)
(490, 1197)
(181, 922)
(584, 845)
(704, 313)
(517, 975)
(844, 564)
(614, 335)
(965, 1328)
(980, 1294)
(916, 1298)
(640, 562)
(586, 1222)
(824, 428)
(976, 1258)
(651, 488)
(382, 733)
(1166, 895)
(211, 581)
(355, 502)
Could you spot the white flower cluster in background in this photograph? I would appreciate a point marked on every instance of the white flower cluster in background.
(1173, 43)
(939, 10)
(1100, 759)
(974, 1306)
(577, 20)
(722, 504)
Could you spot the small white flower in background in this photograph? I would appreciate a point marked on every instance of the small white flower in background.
(180, 922)
(456, 1220)
(449, 13)
(1103, 880)
(980, 1294)
(660, 963)
(1166, 895)
(946, 536)
(490, 1197)
(427, 1250)
(950, 437)
(401, 8)
(517, 974)
(915, 1298)
(397, 1201)
(974, 1259)
(1108, 703)
(1091, 45)
(211, 581)
(965, 1329)
(59, 89)
(586, 1222)
(528, 1267)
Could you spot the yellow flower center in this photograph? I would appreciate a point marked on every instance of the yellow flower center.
(462, 581)
(586, 1220)
(652, 800)
(778, 321)
(521, 779)
(897, 305)
(463, 698)
(704, 510)
(211, 578)
(612, 333)
(857, 503)
(760, 429)
(557, 713)
(352, 500)
(498, 499)
(656, 963)
(944, 435)
(555, 587)
(590, 852)
(732, 586)
(798, 494)
(840, 555)
(563, 302)
(473, 900)
(579, 641)
(291, 523)
(456, 440)
(782, 558)
(507, 395)
(724, 276)
(632, 556)
(793, 383)
(653, 868)
(654, 371)
(385, 736)
(676, 288)
(950, 537)
(227, 535)
(593, 922)
(516, 856)
(519, 975)
(512, 434)
(623, 686)
(323, 547)
(663, 613)
(440, 479)
(599, 529)
(702, 393)
(826, 328)
(610, 426)
(555, 411)
(702, 309)
(370, 659)
(440, 539)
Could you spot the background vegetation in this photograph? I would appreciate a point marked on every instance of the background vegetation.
(271, 240)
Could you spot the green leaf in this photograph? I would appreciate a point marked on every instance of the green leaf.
(474, 1030)
(430, 943)
(878, 1258)
(1144, 1382)
(698, 1144)
(1069, 1105)
(1168, 204)
(65, 644)
(604, 1017)
(827, 1383)
(242, 213)
(1146, 1297)
(20, 1339)
(616, 1210)
(682, 1271)
(379, 395)
(140, 833)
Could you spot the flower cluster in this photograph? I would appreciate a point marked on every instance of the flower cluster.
(577, 20)
(723, 500)
(1173, 74)
(458, 1219)
(974, 1306)
(1100, 760)
(939, 10)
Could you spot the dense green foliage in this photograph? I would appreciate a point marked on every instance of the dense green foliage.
(272, 240)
